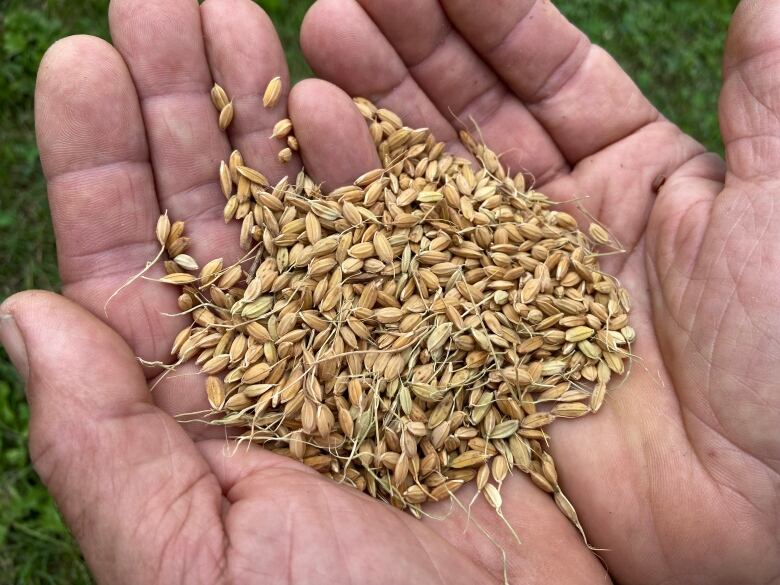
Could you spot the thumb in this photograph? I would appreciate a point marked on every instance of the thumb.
(127, 479)
(749, 104)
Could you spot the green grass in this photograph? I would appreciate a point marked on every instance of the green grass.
(672, 49)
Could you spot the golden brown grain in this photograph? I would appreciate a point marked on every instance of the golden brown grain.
(284, 155)
(272, 92)
(282, 129)
(226, 116)
(218, 97)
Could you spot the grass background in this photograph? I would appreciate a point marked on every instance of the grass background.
(672, 48)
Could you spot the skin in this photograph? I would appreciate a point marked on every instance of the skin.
(677, 477)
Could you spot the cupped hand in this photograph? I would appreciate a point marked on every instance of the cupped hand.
(677, 477)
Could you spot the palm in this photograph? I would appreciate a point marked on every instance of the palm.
(685, 439)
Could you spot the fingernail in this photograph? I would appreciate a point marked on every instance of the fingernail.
(13, 342)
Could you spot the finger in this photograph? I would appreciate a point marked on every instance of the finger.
(344, 46)
(335, 142)
(463, 88)
(575, 89)
(748, 103)
(127, 479)
(244, 54)
(101, 189)
(162, 43)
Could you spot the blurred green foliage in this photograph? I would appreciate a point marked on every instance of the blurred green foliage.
(671, 48)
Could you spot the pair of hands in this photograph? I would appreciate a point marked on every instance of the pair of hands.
(677, 477)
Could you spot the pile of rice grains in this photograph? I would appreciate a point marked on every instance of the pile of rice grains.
(408, 333)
